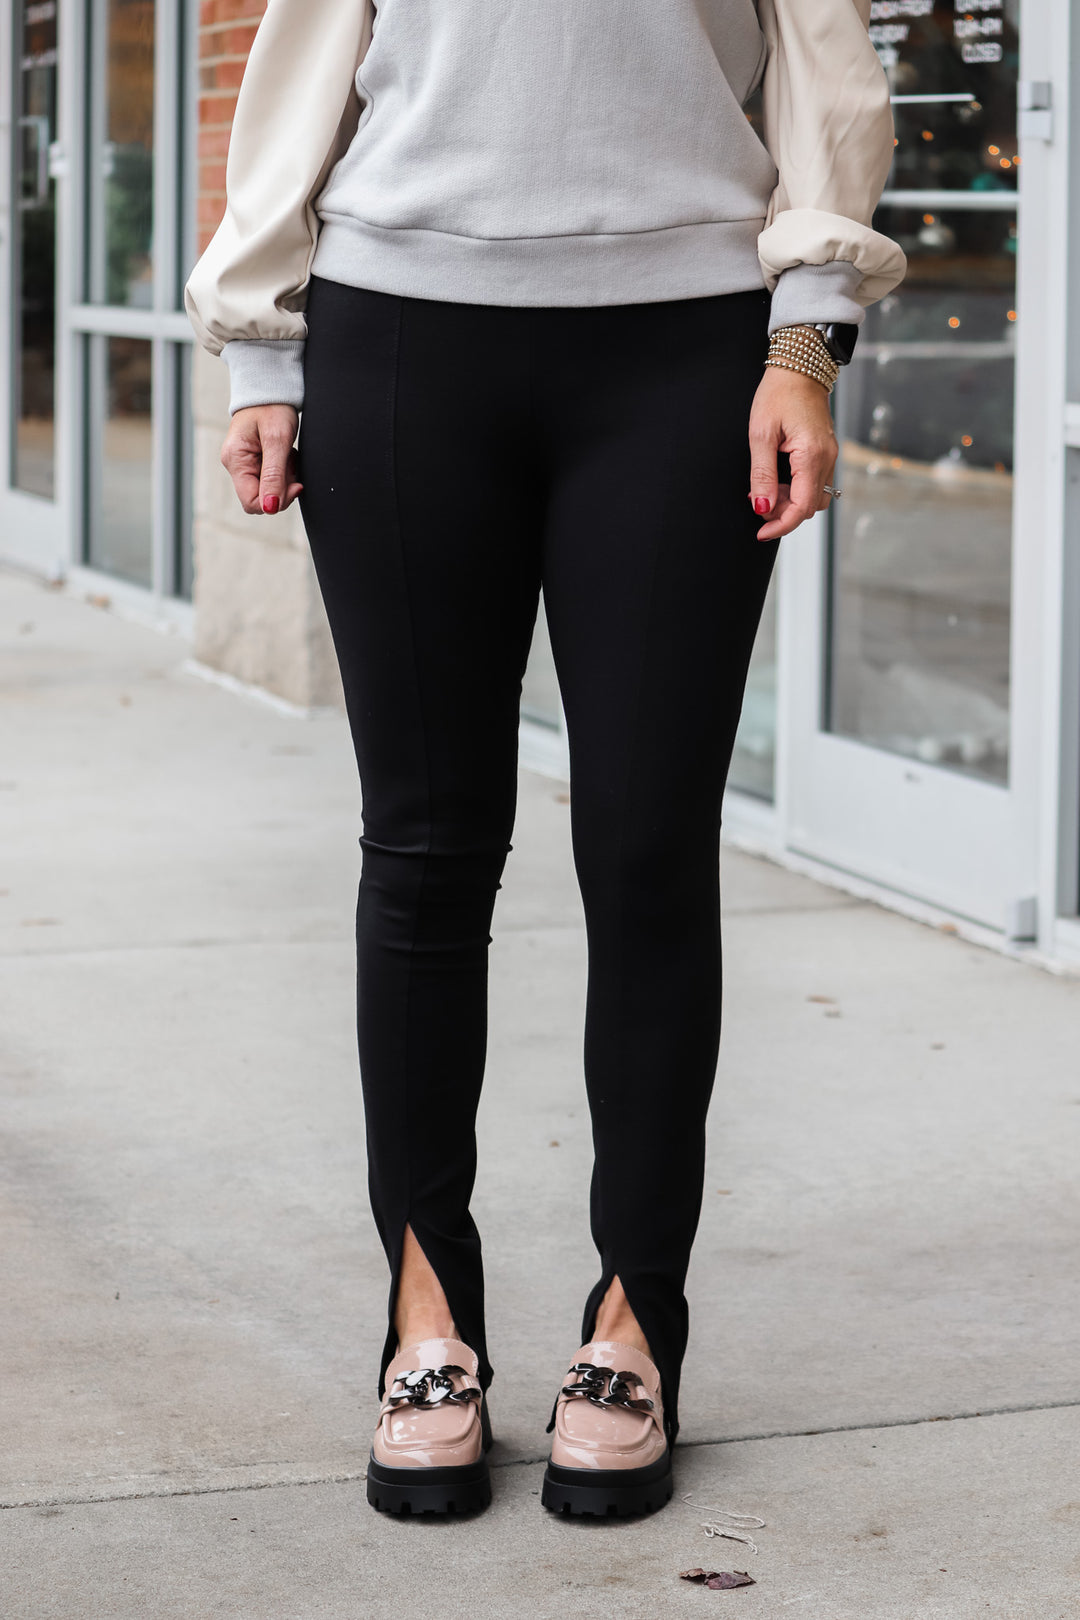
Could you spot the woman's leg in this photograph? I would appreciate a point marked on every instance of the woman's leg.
(424, 512)
(653, 586)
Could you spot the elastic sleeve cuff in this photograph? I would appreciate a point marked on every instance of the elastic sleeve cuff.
(265, 371)
(808, 293)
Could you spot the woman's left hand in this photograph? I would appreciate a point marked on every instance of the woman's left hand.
(790, 413)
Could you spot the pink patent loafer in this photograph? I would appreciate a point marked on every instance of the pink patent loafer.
(429, 1450)
(609, 1454)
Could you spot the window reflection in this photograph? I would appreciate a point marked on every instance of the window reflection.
(922, 540)
(121, 515)
(122, 153)
(33, 373)
(958, 64)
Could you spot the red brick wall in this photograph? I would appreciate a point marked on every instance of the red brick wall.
(226, 30)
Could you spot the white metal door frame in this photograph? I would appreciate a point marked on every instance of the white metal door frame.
(1059, 873)
(164, 325)
(34, 530)
(49, 536)
(966, 846)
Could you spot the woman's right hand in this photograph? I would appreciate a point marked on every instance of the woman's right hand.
(260, 457)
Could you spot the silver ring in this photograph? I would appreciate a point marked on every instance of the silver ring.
(835, 493)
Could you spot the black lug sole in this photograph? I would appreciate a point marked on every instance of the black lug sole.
(429, 1490)
(614, 1493)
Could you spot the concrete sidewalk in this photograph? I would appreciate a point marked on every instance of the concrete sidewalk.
(885, 1299)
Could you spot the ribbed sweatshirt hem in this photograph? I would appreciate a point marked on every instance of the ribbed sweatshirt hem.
(631, 267)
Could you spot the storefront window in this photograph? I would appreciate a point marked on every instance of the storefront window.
(121, 444)
(922, 540)
(122, 154)
(33, 259)
(138, 250)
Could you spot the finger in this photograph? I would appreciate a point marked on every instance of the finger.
(246, 485)
(764, 482)
(276, 455)
(771, 529)
(794, 514)
(293, 486)
(241, 461)
(809, 475)
(786, 519)
(241, 456)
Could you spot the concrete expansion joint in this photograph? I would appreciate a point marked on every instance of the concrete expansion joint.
(889, 1423)
(541, 1457)
(143, 947)
(184, 1490)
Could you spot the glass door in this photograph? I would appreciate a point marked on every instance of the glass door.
(120, 275)
(31, 529)
(904, 766)
(130, 336)
(97, 236)
(922, 545)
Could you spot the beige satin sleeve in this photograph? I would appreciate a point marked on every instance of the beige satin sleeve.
(829, 129)
(296, 113)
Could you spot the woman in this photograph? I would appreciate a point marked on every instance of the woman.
(551, 309)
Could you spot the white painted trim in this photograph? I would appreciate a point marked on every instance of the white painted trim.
(1063, 958)
(168, 155)
(7, 292)
(29, 533)
(33, 529)
(1045, 656)
(1066, 945)
(118, 320)
(167, 614)
(49, 536)
(956, 842)
(993, 202)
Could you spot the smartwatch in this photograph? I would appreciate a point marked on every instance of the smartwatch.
(839, 339)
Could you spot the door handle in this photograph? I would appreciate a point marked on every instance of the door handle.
(37, 125)
(1035, 109)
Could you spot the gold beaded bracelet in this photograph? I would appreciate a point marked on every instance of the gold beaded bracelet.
(802, 348)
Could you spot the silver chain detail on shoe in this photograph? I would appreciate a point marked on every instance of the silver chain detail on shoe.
(430, 1386)
(605, 1387)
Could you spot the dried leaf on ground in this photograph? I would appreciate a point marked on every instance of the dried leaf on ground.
(719, 1580)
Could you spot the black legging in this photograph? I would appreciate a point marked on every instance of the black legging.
(455, 458)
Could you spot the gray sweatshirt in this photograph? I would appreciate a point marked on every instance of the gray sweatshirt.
(566, 152)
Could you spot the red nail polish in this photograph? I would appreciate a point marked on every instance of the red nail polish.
(762, 505)
(270, 504)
